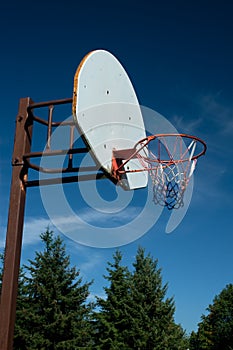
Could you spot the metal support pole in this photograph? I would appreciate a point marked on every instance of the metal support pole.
(22, 145)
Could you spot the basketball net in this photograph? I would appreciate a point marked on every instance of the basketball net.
(171, 168)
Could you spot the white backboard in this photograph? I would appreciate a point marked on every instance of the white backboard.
(107, 113)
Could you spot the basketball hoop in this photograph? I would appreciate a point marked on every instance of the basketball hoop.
(170, 161)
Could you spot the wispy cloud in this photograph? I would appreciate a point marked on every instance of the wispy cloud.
(98, 217)
(185, 125)
(210, 112)
(218, 112)
(31, 233)
(33, 227)
(91, 263)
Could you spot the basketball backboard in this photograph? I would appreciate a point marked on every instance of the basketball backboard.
(107, 113)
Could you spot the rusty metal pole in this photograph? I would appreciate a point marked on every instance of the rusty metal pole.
(22, 145)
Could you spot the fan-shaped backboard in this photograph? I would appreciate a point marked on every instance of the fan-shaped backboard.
(107, 113)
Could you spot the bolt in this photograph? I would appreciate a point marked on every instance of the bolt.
(16, 160)
(20, 118)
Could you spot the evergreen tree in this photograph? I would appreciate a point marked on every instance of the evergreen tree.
(151, 314)
(135, 313)
(112, 320)
(193, 343)
(52, 312)
(215, 331)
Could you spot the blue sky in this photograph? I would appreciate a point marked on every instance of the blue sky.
(179, 57)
